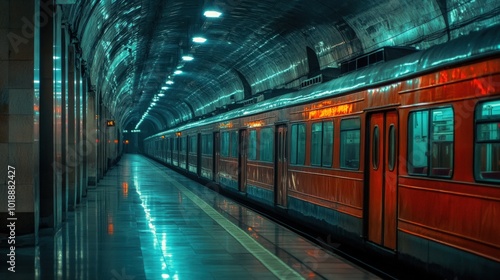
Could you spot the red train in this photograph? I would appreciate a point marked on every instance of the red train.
(402, 155)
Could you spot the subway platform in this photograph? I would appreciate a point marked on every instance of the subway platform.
(144, 221)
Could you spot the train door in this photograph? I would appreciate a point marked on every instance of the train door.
(215, 164)
(382, 187)
(280, 168)
(242, 160)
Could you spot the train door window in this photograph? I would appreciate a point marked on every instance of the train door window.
(316, 137)
(193, 144)
(206, 145)
(430, 142)
(298, 144)
(392, 147)
(327, 152)
(487, 142)
(375, 148)
(266, 144)
(252, 145)
(176, 144)
(350, 132)
(224, 144)
(183, 144)
(234, 144)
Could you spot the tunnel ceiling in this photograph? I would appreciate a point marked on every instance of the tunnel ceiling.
(133, 48)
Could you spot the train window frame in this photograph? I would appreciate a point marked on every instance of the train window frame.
(492, 144)
(299, 159)
(429, 169)
(352, 125)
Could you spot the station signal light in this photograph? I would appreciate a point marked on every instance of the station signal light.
(111, 123)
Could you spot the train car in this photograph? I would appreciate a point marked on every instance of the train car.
(401, 156)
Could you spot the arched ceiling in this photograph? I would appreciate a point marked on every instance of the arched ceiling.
(133, 47)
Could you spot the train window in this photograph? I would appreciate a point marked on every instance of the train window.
(193, 145)
(252, 145)
(441, 161)
(176, 144)
(392, 147)
(316, 137)
(487, 142)
(327, 144)
(183, 144)
(234, 143)
(350, 132)
(298, 144)
(375, 148)
(418, 136)
(206, 144)
(430, 145)
(224, 144)
(266, 144)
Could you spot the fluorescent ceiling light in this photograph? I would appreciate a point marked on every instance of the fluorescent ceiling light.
(164, 88)
(169, 82)
(161, 94)
(212, 14)
(177, 72)
(199, 39)
(187, 57)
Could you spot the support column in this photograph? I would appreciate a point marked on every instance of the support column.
(84, 148)
(65, 38)
(78, 129)
(50, 120)
(19, 97)
(71, 154)
(92, 139)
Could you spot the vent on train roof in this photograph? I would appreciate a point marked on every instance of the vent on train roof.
(377, 56)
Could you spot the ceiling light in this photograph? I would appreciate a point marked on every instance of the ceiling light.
(169, 82)
(187, 57)
(212, 14)
(199, 39)
(161, 94)
(164, 88)
(177, 72)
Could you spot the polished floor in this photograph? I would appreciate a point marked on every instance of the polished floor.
(144, 221)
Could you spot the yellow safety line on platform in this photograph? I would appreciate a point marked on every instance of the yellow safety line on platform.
(269, 260)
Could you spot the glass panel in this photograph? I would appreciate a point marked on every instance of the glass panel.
(392, 147)
(316, 138)
(488, 110)
(418, 139)
(234, 144)
(224, 144)
(301, 144)
(252, 145)
(441, 161)
(193, 145)
(266, 144)
(327, 144)
(487, 147)
(293, 143)
(349, 143)
(375, 148)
